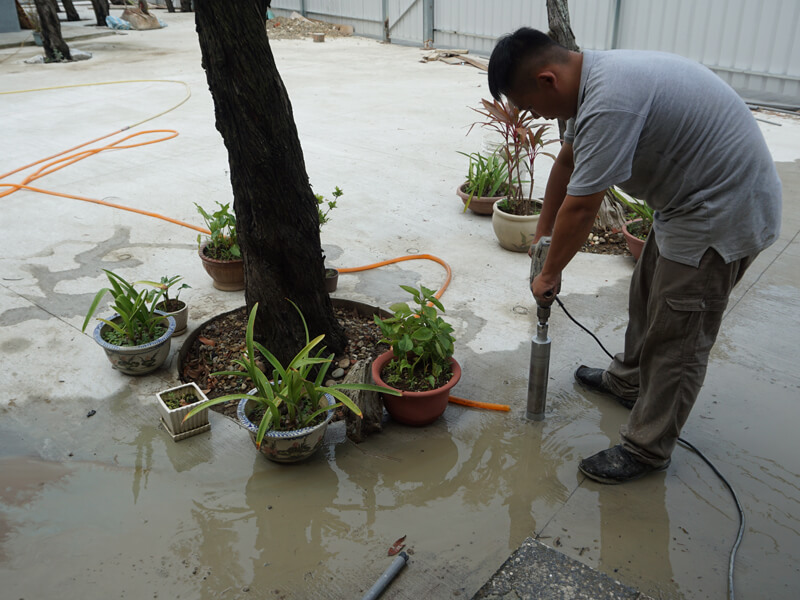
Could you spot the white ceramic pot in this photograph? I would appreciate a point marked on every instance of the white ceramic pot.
(173, 417)
(181, 317)
(513, 232)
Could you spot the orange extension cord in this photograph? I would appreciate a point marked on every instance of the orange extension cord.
(71, 156)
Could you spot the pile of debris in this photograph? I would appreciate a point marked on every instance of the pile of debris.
(297, 27)
(456, 57)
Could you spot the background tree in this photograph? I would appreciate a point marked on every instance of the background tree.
(101, 11)
(71, 12)
(186, 6)
(276, 211)
(170, 6)
(55, 48)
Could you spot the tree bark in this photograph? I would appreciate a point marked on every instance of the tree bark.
(69, 9)
(276, 211)
(170, 6)
(101, 11)
(561, 32)
(186, 6)
(55, 48)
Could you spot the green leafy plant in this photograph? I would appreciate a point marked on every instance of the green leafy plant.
(487, 176)
(637, 209)
(523, 142)
(179, 398)
(163, 287)
(223, 243)
(325, 206)
(293, 397)
(138, 321)
(421, 342)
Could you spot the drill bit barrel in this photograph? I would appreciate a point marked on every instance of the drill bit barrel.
(539, 370)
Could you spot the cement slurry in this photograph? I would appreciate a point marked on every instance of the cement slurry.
(109, 506)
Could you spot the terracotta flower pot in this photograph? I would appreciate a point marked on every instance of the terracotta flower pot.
(228, 275)
(635, 245)
(415, 408)
(480, 205)
(513, 232)
(285, 446)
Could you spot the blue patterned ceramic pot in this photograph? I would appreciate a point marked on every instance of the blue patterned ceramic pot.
(285, 446)
(136, 360)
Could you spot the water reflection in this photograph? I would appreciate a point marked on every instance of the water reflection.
(635, 528)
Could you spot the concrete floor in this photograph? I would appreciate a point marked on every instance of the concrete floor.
(110, 507)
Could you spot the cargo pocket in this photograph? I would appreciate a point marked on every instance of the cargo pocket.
(699, 319)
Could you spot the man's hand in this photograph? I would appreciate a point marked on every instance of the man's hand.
(545, 289)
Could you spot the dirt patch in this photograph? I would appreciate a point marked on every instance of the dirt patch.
(606, 242)
(222, 340)
(284, 28)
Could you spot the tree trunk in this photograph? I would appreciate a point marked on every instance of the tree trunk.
(276, 211)
(69, 8)
(101, 11)
(561, 32)
(186, 6)
(55, 48)
(170, 6)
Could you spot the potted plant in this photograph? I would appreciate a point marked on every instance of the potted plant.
(514, 218)
(219, 251)
(287, 414)
(638, 227)
(175, 403)
(35, 25)
(485, 184)
(420, 363)
(324, 207)
(174, 307)
(136, 338)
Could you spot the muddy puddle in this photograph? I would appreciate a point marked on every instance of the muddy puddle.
(115, 509)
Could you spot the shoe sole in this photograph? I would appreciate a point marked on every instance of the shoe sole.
(607, 481)
(590, 388)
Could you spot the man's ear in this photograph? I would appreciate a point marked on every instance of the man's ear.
(546, 79)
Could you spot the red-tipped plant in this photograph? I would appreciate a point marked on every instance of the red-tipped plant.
(523, 142)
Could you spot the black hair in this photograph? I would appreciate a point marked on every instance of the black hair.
(515, 48)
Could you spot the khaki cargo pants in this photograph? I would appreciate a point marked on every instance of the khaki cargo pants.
(675, 312)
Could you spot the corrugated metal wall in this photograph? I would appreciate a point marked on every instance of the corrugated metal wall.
(754, 45)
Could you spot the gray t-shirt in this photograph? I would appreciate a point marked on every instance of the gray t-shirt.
(667, 130)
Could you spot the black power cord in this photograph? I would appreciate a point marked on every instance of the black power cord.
(694, 449)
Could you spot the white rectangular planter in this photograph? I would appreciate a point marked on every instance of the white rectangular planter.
(173, 418)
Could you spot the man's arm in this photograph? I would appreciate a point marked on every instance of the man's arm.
(572, 226)
(555, 191)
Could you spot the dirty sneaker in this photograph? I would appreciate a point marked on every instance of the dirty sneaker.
(592, 379)
(616, 465)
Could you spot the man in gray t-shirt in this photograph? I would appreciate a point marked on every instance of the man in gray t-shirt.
(669, 131)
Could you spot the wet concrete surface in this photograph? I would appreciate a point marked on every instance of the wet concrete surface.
(114, 509)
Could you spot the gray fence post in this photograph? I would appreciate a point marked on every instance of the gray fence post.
(427, 22)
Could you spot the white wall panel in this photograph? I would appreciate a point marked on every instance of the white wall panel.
(752, 44)
(405, 21)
